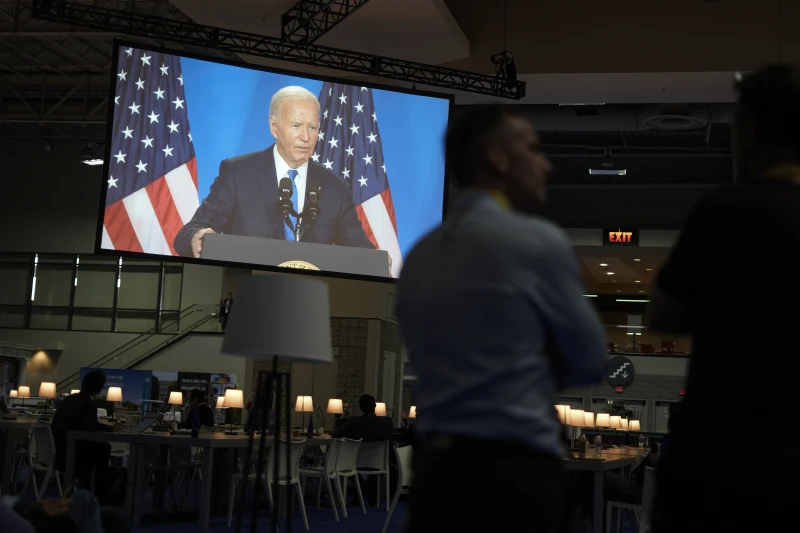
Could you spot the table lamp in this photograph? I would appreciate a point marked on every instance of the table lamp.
(589, 419)
(577, 420)
(335, 407)
(305, 404)
(562, 413)
(74, 391)
(220, 407)
(413, 412)
(602, 421)
(278, 317)
(613, 422)
(23, 392)
(380, 409)
(47, 390)
(234, 399)
(114, 395)
(635, 425)
(623, 424)
(12, 393)
(175, 398)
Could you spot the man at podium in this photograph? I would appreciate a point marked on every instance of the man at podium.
(245, 197)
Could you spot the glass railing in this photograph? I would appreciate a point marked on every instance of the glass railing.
(198, 317)
(641, 340)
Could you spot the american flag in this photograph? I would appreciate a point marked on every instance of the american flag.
(350, 146)
(152, 182)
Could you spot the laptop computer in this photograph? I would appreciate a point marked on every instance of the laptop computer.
(143, 425)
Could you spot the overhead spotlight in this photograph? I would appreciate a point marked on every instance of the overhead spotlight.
(603, 264)
(88, 158)
(505, 68)
(610, 273)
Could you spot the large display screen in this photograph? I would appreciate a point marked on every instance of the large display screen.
(219, 162)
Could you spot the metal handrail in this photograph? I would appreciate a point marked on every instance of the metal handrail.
(169, 342)
(136, 341)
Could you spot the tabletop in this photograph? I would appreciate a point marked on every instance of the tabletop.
(610, 459)
(212, 440)
(22, 423)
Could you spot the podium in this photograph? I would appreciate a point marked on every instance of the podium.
(301, 255)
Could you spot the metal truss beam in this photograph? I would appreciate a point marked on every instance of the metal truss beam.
(308, 20)
(272, 48)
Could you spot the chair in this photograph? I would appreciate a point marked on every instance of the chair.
(642, 512)
(373, 460)
(284, 480)
(347, 467)
(405, 473)
(326, 473)
(42, 458)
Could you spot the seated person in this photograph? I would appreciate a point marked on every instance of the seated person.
(369, 426)
(198, 407)
(79, 413)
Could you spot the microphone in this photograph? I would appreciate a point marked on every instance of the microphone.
(285, 194)
(311, 212)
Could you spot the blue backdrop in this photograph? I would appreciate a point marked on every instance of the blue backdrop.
(135, 383)
(229, 115)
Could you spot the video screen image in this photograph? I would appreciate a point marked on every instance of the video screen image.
(228, 163)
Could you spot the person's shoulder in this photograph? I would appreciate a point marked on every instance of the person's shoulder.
(324, 177)
(534, 233)
(260, 157)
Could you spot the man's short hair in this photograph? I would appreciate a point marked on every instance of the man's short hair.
(367, 403)
(770, 98)
(93, 382)
(292, 92)
(197, 395)
(468, 135)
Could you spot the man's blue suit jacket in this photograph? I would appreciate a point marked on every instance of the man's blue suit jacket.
(244, 201)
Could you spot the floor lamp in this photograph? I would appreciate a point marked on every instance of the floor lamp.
(279, 318)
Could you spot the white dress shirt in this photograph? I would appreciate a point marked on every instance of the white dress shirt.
(282, 171)
(479, 301)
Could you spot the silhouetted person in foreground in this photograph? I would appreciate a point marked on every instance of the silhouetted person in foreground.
(732, 283)
(199, 407)
(491, 307)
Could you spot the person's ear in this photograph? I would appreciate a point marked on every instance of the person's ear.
(498, 158)
(273, 127)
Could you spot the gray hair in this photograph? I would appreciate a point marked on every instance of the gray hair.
(293, 92)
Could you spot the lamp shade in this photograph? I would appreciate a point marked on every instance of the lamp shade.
(234, 398)
(114, 394)
(175, 398)
(602, 420)
(635, 425)
(280, 316)
(380, 409)
(613, 422)
(624, 423)
(412, 413)
(12, 393)
(567, 415)
(24, 391)
(47, 389)
(74, 391)
(589, 419)
(577, 418)
(562, 413)
(304, 404)
(220, 402)
(335, 406)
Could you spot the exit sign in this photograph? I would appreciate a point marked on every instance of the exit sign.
(618, 388)
(620, 237)
(682, 392)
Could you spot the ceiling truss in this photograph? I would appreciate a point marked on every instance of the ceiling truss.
(308, 20)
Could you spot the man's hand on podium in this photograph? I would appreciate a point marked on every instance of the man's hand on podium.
(197, 242)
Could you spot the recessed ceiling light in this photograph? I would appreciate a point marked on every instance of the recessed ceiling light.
(637, 260)
(613, 281)
(609, 273)
(637, 281)
(619, 290)
(648, 269)
(641, 291)
(603, 264)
